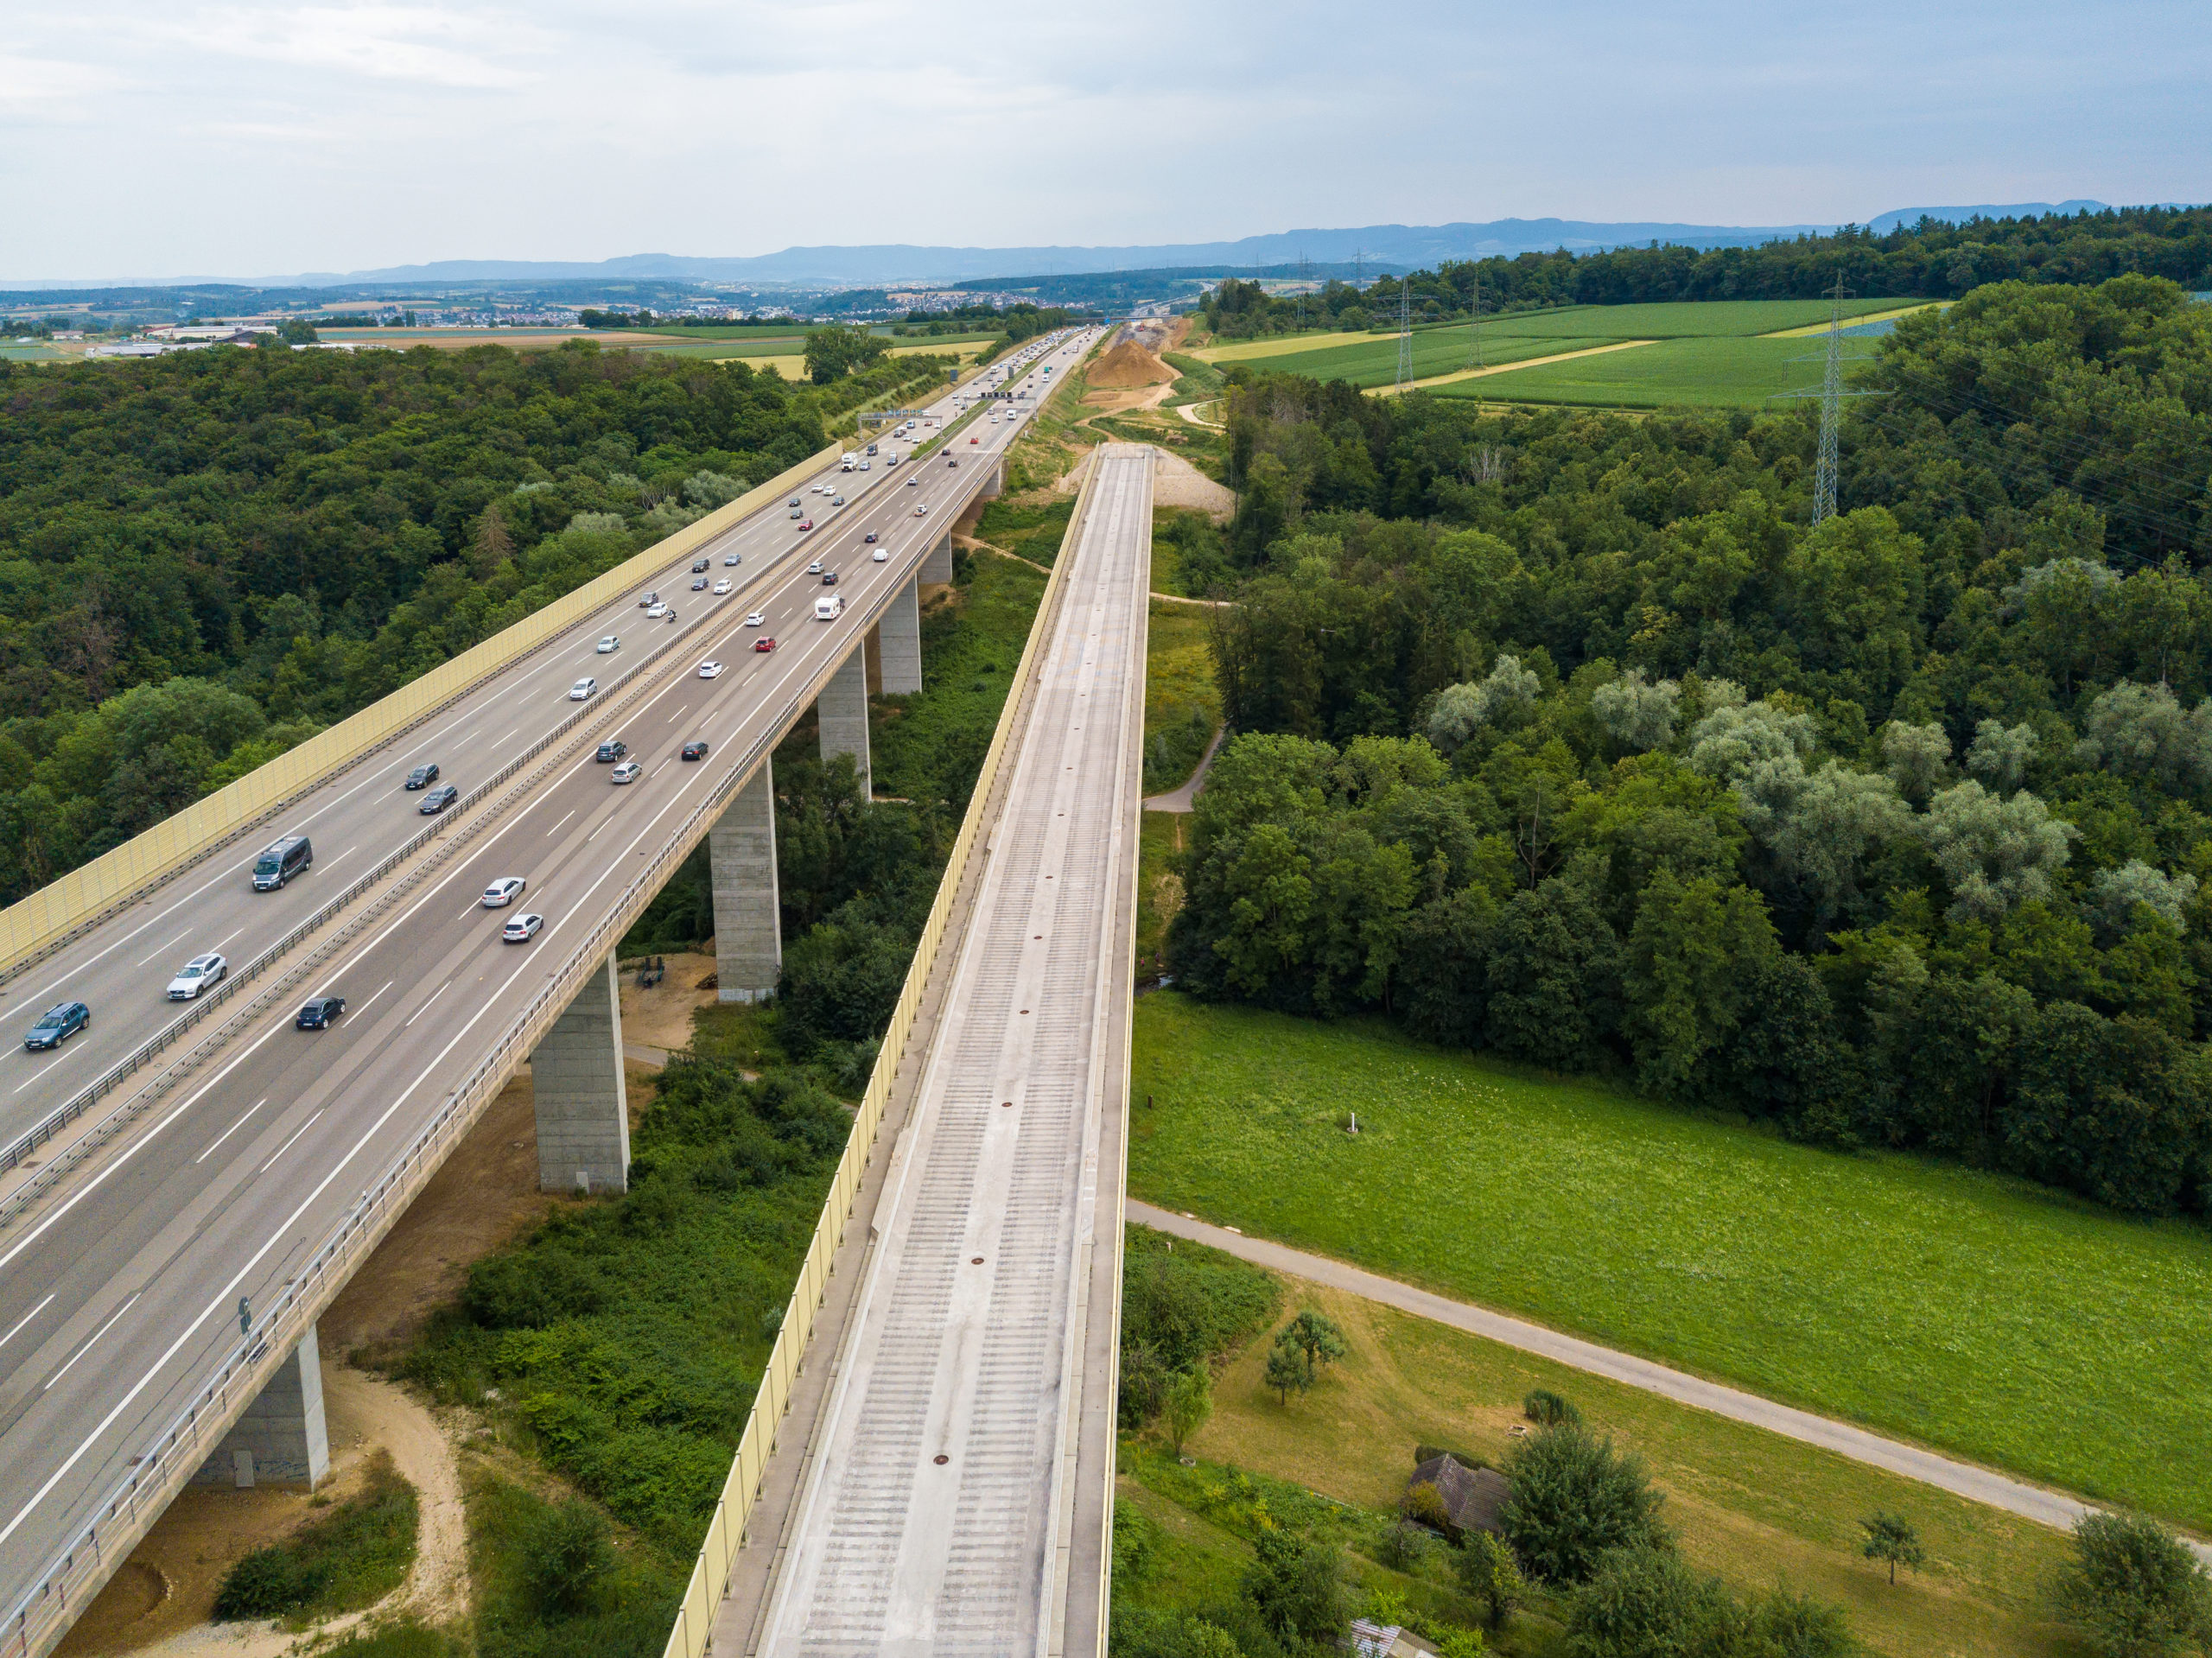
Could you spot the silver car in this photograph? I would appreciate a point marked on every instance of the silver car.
(196, 974)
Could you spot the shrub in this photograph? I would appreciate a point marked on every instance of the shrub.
(1547, 1408)
(347, 1557)
(1641, 1602)
(2134, 1589)
(1424, 1505)
(1183, 1305)
(1294, 1583)
(569, 1551)
(1404, 1546)
(1573, 1499)
(1487, 1572)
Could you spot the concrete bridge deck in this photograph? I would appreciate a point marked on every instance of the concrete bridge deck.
(954, 1494)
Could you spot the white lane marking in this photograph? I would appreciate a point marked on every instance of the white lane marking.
(498, 741)
(289, 1144)
(556, 827)
(348, 852)
(425, 1008)
(158, 948)
(97, 1180)
(232, 1129)
(66, 1052)
(371, 1001)
(25, 1320)
(87, 1347)
(226, 938)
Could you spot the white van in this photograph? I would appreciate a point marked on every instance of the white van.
(828, 607)
(846, 465)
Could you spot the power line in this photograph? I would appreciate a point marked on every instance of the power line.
(1405, 333)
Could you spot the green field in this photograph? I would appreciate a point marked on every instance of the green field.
(1721, 373)
(2004, 1323)
(1182, 706)
(1708, 354)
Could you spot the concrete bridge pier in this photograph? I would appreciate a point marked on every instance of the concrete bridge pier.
(842, 713)
(748, 918)
(282, 1439)
(583, 1105)
(995, 485)
(898, 642)
(937, 563)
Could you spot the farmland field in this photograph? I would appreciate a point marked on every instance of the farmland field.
(1997, 1320)
(1373, 360)
(1728, 372)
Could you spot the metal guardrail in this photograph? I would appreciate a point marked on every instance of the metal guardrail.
(41, 1616)
(702, 1594)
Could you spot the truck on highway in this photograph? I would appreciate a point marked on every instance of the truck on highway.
(828, 607)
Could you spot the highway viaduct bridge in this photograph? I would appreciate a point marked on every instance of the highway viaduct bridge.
(166, 1247)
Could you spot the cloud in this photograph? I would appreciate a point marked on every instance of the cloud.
(34, 83)
(428, 47)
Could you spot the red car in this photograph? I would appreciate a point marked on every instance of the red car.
(975, 440)
(764, 644)
(806, 524)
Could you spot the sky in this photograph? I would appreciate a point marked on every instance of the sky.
(139, 139)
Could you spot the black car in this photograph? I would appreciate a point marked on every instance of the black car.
(319, 1011)
(57, 1025)
(437, 800)
(700, 586)
(423, 777)
(697, 565)
(613, 749)
(828, 578)
(695, 751)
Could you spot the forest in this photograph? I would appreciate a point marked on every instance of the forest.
(1568, 737)
(1929, 260)
(207, 557)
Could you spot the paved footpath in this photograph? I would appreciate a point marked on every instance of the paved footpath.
(1962, 1479)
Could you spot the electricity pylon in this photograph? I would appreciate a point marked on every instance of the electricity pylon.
(1404, 332)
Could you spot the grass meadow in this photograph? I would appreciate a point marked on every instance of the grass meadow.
(2003, 1322)
(1721, 373)
(1748, 1506)
(1182, 706)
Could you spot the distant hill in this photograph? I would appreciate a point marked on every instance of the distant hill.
(1906, 217)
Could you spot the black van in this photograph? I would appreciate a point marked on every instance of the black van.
(281, 862)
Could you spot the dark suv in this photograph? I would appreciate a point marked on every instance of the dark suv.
(613, 749)
(57, 1025)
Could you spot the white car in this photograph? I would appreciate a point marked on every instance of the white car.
(710, 670)
(196, 974)
(882, 555)
(503, 892)
(815, 568)
(584, 690)
(608, 645)
(628, 771)
(656, 610)
(863, 466)
(521, 930)
(722, 587)
(757, 619)
(913, 483)
(923, 508)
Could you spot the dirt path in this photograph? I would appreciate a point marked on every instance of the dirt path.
(1182, 799)
(1508, 368)
(1976, 1483)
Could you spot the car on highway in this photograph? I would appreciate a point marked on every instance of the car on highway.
(828, 609)
(837, 500)
(423, 777)
(913, 483)
(584, 690)
(656, 610)
(521, 930)
(649, 600)
(723, 588)
(503, 892)
(608, 645)
(710, 670)
(668, 617)
(797, 511)
(923, 508)
(731, 561)
(316, 1012)
(754, 618)
(695, 751)
(975, 440)
(880, 555)
(437, 800)
(815, 568)
(57, 1025)
(628, 771)
(612, 750)
(805, 524)
(828, 578)
(196, 974)
(869, 537)
(699, 586)
(280, 860)
(764, 644)
(698, 565)
(794, 501)
(951, 460)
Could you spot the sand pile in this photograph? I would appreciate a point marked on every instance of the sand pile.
(1130, 365)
